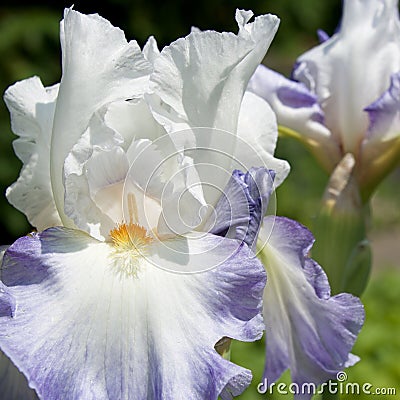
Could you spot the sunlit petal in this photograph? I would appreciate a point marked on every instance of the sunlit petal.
(86, 327)
(150, 49)
(80, 207)
(32, 109)
(222, 63)
(132, 120)
(99, 66)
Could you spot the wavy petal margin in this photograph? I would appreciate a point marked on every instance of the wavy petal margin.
(31, 107)
(222, 64)
(307, 330)
(83, 330)
(99, 66)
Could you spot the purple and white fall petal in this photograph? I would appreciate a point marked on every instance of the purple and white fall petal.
(307, 330)
(84, 328)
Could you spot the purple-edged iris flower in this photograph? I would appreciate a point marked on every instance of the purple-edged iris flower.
(345, 93)
(140, 266)
(123, 293)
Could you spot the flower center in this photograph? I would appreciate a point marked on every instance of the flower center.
(130, 242)
(127, 237)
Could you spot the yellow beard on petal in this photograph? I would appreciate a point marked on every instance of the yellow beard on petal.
(130, 242)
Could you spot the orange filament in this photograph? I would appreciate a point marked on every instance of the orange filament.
(128, 237)
(130, 242)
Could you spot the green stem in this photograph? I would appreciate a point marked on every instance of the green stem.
(340, 229)
(342, 249)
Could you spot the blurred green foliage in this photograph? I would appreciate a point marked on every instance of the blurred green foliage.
(29, 45)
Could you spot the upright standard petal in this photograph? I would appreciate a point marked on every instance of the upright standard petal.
(351, 69)
(99, 66)
(150, 49)
(32, 110)
(123, 128)
(79, 206)
(307, 330)
(222, 64)
(88, 327)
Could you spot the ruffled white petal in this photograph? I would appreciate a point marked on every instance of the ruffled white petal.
(150, 49)
(222, 64)
(149, 165)
(99, 66)
(132, 120)
(80, 207)
(32, 109)
(187, 102)
(106, 172)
